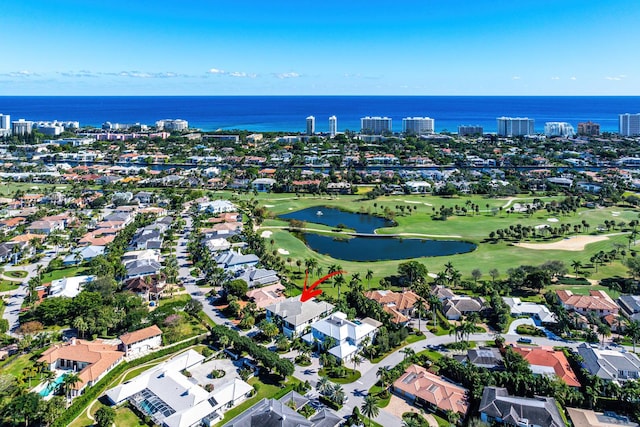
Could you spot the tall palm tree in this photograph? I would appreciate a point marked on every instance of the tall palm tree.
(69, 382)
(632, 330)
(357, 360)
(408, 352)
(338, 282)
(370, 407)
(419, 307)
(323, 386)
(369, 276)
(576, 265)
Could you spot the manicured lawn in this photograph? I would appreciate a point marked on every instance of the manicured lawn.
(6, 285)
(432, 355)
(377, 389)
(474, 228)
(16, 364)
(176, 298)
(17, 274)
(65, 272)
(415, 338)
(126, 417)
(351, 376)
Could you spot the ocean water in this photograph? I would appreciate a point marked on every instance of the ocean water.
(288, 113)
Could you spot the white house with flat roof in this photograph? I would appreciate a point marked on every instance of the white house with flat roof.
(68, 286)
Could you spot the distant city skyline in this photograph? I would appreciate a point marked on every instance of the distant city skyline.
(481, 47)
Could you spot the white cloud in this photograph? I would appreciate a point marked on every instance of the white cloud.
(242, 74)
(515, 78)
(291, 75)
(555, 78)
(22, 73)
(573, 78)
(216, 71)
(616, 78)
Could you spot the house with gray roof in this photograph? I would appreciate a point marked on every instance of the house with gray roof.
(269, 413)
(142, 267)
(458, 306)
(483, 357)
(295, 316)
(630, 305)
(235, 261)
(498, 406)
(83, 254)
(258, 277)
(610, 365)
(540, 313)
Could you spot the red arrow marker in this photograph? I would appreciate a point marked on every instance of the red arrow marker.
(311, 291)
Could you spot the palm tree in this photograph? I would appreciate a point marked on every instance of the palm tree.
(370, 407)
(337, 394)
(434, 305)
(419, 307)
(408, 352)
(604, 330)
(383, 374)
(324, 385)
(357, 360)
(632, 330)
(452, 417)
(576, 265)
(69, 382)
(81, 325)
(338, 282)
(369, 276)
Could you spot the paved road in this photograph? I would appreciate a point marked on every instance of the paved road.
(12, 310)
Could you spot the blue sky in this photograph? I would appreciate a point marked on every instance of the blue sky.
(352, 47)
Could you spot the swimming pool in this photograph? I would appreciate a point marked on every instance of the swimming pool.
(50, 388)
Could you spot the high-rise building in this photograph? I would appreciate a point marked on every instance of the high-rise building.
(466, 130)
(589, 128)
(5, 124)
(172, 124)
(562, 129)
(417, 125)
(333, 126)
(21, 127)
(311, 125)
(629, 124)
(375, 125)
(515, 126)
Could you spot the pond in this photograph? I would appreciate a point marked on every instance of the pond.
(361, 223)
(369, 248)
(383, 248)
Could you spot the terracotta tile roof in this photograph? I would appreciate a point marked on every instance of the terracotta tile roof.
(402, 300)
(27, 237)
(433, 389)
(596, 300)
(12, 222)
(99, 356)
(396, 316)
(551, 358)
(267, 295)
(140, 335)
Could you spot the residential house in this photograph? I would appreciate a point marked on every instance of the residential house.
(9, 225)
(267, 295)
(141, 341)
(147, 238)
(143, 267)
(630, 305)
(217, 245)
(547, 361)
(540, 314)
(217, 206)
(172, 400)
(346, 335)
(589, 418)
(11, 251)
(295, 316)
(400, 305)
(442, 292)
(149, 287)
(68, 286)
(418, 187)
(610, 365)
(263, 185)
(458, 306)
(483, 357)
(597, 302)
(45, 227)
(269, 413)
(235, 261)
(144, 197)
(498, 406)
(257, 277)
(148, 254)
(92, 360)
(84, 254)
(422, 388)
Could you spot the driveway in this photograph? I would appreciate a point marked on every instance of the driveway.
(398, 406)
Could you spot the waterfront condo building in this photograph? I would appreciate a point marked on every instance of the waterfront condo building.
(589, 128)
(562, 129)
(467, 130)
(333, 126)
(375, 125)
(21, 127)
(311, 125)
(417, 125)
(515, 126)
(172, 124)
(629, 124)
(5, 124)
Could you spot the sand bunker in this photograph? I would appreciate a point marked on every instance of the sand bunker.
(575, 243)
(266, 234)
(283, 251)
(552, 219)
(269, 206)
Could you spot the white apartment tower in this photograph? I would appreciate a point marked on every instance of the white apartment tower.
(333, 126)
(629, 124)
(21, 127)
(172, 124)
(515, 126)
(417, 125)
(5, 124)
(375, 125)
(311, 125)
(562, 129)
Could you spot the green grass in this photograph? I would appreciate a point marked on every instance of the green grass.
(415, 338)
(14, 365)
(434, 356)
(264, 391)
(501, 255)
(176, 298)
(126, 417)
(7, 285)
(351, 376)
(17, 274)
(64, 272)
(376, 389)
